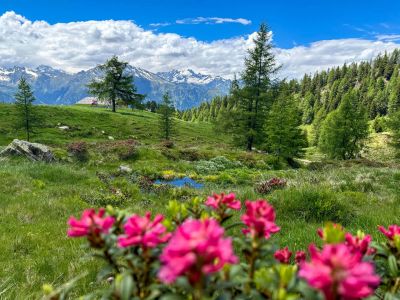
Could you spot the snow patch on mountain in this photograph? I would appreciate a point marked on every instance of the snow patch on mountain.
(51, 86)
(187, 76)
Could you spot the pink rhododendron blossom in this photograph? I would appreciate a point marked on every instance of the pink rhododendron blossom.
(197, 247)
(218, 201)
(361, 244)
(259, 219)
(283, 255)
(391, 232)
(90, 224)
(144, 232)
(300, 257)
(338, 272)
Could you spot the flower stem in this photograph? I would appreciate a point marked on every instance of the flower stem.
(108, 257)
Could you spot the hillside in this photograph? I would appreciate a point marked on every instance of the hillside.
(377, 83)
(36, 198)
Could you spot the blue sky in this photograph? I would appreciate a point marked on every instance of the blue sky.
(293, 22)
(207, 36)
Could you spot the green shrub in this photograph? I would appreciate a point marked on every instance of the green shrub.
(380, 124)
(101, 199)
(125, 149)
(225, 178)
(312, 204)
(119, 150)
(171, 154)
(267, 186)
(79, 150)
(215, 165)
(190, 154)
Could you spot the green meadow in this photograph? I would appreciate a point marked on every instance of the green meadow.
(36, 199)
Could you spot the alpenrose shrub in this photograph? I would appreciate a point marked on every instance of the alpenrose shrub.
(199, 254)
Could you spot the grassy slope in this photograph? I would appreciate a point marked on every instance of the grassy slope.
(36, 199)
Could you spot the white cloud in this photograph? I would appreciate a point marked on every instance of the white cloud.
(160, 24)
(213, 20)
(81, 45)
(388, 37)
(322, 55)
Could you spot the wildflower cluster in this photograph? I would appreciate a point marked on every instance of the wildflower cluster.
(195, 254)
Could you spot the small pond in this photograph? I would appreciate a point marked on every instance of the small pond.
(181, 182)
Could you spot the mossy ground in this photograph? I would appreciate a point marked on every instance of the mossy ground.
(36, 199)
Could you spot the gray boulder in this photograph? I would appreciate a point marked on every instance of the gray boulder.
(124, 169)
(33, 151)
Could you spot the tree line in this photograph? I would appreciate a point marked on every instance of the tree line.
(377, 82)
(267, 114)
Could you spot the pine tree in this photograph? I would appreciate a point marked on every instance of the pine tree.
(234, 85)
(307, 108)
(344, 130)
(316, 126)
(115, 85)
(394, 125)
(284, 138)
(253, 99)
(394, 98)
(166, 121)
(23, 102)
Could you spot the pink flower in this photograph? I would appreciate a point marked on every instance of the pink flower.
(337, 271)
(90, 224)
(142, 231)
(300, 257)
(391, 232)
(283, 255)
(259, 219)
(361, 244)
(197, 247)
(223, 201)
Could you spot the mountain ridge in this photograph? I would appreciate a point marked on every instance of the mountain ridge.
(53, 86)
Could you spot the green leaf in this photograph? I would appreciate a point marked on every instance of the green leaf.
(126, 287)
(393, 268)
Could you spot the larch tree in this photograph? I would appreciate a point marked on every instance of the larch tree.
(166, 121)
(284, 137)
(115, 85)
(344, 130)
(23, 102)
(394, 126)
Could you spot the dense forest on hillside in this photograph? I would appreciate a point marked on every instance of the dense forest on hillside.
(377, 84)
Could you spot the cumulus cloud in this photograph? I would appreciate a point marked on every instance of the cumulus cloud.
(322, 55)
(82, 45)
(213, 20)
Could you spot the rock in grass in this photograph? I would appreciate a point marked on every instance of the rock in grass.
(33, 151)
(63, 128)
(125, 169)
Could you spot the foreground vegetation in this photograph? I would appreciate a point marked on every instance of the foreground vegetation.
(36, 199)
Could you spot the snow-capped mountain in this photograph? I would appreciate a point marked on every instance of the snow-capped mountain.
(189, 76)
(52, 86)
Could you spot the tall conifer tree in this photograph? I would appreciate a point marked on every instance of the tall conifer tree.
(345, 129)
(23, 101)
(115, 85)
(284, 138)
(166, 112)
(254, 97)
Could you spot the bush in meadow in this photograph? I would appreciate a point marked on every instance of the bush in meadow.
(267, 186)
(79, 150)
(196, 255)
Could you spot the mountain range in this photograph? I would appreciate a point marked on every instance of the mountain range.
(52, 86)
